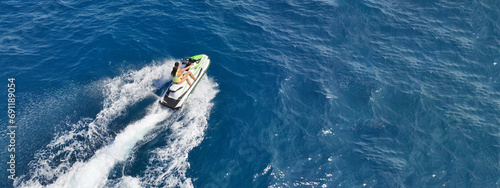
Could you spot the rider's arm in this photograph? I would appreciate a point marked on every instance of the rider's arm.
(186, 68)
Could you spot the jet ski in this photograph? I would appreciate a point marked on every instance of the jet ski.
(177, 94)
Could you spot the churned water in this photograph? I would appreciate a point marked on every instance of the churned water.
(321, 93)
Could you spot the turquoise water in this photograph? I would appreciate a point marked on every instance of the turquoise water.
(299, 94)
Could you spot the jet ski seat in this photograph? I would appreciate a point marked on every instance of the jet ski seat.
(175, 86)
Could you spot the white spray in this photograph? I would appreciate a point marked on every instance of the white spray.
(122, 92)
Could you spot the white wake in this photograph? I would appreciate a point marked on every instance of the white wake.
(183, 137)
(94, 172)
(60, 164)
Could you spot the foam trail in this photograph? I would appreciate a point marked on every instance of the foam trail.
(125, 182)
(89, 134)
(94, 173)
(185, 134)
(125, 90)
(55, 165)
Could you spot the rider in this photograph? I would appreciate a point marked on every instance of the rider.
(179, 77)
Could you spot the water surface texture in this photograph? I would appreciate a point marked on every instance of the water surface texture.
(320, 93)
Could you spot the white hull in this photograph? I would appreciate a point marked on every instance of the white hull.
(177, 94)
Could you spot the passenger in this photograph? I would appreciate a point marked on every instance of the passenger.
(179, 77)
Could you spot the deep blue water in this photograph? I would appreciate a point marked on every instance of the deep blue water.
(320, 93)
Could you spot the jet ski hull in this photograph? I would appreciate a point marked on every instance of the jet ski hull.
(177, 94)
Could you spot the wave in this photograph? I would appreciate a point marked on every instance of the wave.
(94, 172)
(73, 157)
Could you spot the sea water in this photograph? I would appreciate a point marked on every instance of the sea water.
(321, 93)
